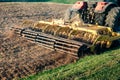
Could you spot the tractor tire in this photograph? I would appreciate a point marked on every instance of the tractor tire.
(113, 19)
(100, 19)
(83, 16)
(69, 14)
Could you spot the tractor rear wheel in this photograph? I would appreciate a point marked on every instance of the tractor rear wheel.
(100, 19)
(113, 19)
(69, 15)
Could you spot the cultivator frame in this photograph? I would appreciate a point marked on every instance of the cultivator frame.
(68, 40)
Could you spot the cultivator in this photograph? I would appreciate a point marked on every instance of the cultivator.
(73, 38)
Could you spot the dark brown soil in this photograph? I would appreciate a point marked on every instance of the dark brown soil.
(18, 56)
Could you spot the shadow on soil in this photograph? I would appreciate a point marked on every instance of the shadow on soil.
(115, 45)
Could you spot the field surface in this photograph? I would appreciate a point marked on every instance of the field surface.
(18, 56)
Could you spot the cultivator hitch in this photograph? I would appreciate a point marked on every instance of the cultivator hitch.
(72, 38)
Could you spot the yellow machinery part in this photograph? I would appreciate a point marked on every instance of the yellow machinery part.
(70, 37)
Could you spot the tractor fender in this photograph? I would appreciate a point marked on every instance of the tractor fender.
(103, 6)
(79, 5)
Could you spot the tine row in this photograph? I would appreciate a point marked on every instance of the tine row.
(56, 43)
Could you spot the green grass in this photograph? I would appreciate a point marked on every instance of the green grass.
(96, 67)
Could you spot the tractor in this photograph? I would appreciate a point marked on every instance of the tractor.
(98, 12)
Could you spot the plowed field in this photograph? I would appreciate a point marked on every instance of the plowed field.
(18, 56)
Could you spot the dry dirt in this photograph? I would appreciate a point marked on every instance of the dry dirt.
(18, 56)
